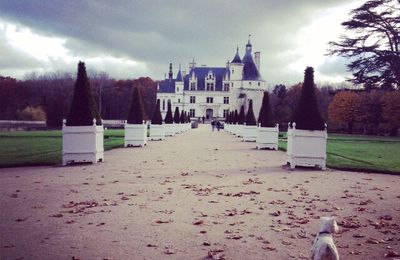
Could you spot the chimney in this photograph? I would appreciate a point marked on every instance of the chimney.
(257, 59)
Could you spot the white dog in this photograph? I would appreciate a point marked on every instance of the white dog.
(323, 247)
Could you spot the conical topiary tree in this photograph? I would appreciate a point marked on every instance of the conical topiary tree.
(236, 117)
(187, 117)
(182, 118)
(168, 117)
(136, 112)
(157, 118)
(177, 116)
(265, 117)
(250, 118)
(83, 107)
(307, 115)
(241, 116)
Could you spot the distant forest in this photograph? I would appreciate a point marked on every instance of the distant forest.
(48, 97)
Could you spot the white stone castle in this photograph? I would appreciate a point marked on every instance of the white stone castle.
(211, 92)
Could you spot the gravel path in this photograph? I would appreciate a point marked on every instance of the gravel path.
(198, 194)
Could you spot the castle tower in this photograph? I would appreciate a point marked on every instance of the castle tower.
(236, 67)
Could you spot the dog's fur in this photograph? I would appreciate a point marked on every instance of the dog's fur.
(323, 247)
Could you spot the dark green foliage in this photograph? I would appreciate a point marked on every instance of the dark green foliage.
(187, 117)
(265, 118)
(177, 117)
(241, 116)
(136, 110)
(307, 116)
(250, 118)
(235, 117)
(157, 118)
(83, 107)
(182, 119)
(168, 117)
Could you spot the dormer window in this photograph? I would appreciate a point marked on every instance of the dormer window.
(192, 85)
(210, 86)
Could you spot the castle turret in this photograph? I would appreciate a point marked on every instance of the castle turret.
(236, 67)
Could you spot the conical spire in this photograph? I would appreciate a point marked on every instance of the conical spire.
(237, 59)
(179, 76)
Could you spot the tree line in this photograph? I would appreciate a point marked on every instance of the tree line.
(48, 97)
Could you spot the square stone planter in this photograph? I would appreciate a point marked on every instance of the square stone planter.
(135, 135)
(267, 137)
(82, 143)
(157, 132)
(306, 147)
(170, 129)
(239, 130)
(249, 133)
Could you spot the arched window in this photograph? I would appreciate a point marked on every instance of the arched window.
(163, 104)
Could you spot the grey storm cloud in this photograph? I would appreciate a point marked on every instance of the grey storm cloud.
(157, 32)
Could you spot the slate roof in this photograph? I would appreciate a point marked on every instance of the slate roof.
(237, 58)
(250, 71)
(201, 73)
(167, 86)
(179, 76)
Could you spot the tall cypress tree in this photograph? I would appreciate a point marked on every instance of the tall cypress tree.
(250, 118)
(136, 112)
(83, 107)
(265, 117)
(307, 115)
(177, 116)
(157, 118)
(241, 116)
(168, 117)
(236, 117)
(182, 118)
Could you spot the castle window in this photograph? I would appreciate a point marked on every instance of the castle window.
(226, 86)
(210, 87)
(249, 83)
(192, 113)
(193, 86)
(226, 112)
(259, 83)
(177, 89)
(192, 99)
(233, 71)
(226, 100)
(210, 100)
(179, 100)
(163, 104)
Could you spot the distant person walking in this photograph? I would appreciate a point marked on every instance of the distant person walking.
(213, 124)
(218, 125)
(203, 119)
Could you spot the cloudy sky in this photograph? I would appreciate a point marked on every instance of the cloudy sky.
(134, 38)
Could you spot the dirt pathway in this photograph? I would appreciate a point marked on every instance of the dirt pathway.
(196, 194)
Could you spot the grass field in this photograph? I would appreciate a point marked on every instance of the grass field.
(360, 152)
(22, 148)
(368, 153)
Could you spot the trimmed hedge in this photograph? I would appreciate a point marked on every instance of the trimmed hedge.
(83, 107)
(157, 118)
(136, 112)
(168, 117)
(307, 115)
(177, 116)
(250, 118)
(235, 117)
(265, 117)
(182, 118)
(241, 116)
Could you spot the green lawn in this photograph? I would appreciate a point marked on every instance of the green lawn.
(23, 148)
(358, 152)
(369, 153)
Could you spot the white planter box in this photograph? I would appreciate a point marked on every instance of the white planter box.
(249, 133)
(135, 135)
(157, 132)
(267, 137)
(82, 143)
(239, 130)
(169, 129)
(306, 148)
